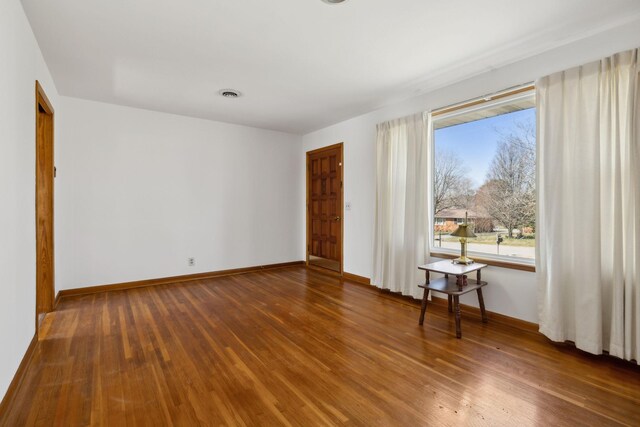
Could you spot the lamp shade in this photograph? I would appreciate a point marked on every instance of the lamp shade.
(463, 231)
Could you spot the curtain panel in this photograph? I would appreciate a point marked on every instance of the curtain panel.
(588, 248)
(402, 193)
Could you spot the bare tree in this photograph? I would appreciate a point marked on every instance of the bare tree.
(508, 194)
(452, 188)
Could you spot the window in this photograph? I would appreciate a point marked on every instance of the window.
(484, 165)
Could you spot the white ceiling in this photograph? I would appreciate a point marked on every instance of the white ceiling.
(301, 64)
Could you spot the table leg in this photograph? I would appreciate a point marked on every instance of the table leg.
(485, 319)
(423, 309)
(450, 303)
(456, 308)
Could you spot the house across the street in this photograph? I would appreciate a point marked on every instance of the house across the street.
(447, 220)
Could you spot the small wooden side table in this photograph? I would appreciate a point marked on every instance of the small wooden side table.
(454, 283)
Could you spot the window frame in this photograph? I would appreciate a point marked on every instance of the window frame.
(508, 95)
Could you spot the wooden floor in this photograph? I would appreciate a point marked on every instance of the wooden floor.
(296, 347)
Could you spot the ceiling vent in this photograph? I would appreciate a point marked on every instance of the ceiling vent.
(230, 93)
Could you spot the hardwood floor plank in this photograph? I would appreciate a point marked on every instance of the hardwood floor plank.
(296, 347)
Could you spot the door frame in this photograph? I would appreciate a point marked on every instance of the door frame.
(339, 145)
(44, 201)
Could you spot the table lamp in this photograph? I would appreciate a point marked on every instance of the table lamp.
(463, 232)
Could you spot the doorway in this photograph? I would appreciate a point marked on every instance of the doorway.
(45, 172)
(325, 208)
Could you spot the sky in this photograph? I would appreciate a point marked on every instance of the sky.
(475, 142)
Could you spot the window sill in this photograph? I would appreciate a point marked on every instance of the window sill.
(492, 262)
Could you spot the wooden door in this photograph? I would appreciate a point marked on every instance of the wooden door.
(44, 206)
(324, 207)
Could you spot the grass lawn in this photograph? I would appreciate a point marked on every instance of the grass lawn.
(490, 239)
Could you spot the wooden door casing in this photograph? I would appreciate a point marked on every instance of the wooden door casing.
(45, 171)
(324, 203)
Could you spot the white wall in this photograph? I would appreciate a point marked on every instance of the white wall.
(21, 63)
(141, 191)
(510, 292)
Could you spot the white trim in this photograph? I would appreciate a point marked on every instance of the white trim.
(485, 105)
(484, 256)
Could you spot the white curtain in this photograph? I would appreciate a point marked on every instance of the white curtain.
(402, 186)
(588, 252)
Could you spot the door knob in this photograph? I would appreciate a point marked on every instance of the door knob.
(337, 218)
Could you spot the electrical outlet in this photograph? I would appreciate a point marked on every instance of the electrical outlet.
(347, 206)
(191, 262)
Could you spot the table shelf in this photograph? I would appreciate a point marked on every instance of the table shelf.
(450, 287)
